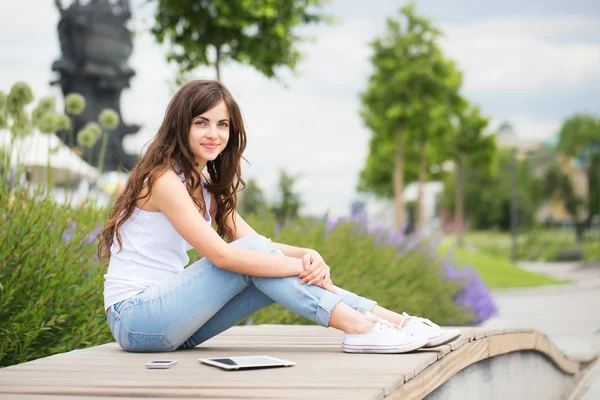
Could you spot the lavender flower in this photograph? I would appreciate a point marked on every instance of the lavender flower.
(68, 235)
(277, 228)
(329, 225)
(474, 294)
(250, 322)
(94, 234)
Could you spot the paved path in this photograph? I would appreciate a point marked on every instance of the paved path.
(568, 314)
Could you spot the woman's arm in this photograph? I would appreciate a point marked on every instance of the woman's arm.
(173, 200)
(242, 229)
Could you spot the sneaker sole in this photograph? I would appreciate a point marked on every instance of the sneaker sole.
(405, 348)
(442, 340)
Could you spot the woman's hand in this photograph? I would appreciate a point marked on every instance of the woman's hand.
(316, 271)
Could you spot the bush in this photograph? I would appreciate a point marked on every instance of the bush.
(50, 281)
(402, 273)
(51, 284)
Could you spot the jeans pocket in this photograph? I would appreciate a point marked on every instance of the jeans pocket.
(147, 342)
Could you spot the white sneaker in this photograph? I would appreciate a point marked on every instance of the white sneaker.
(384, 338)
(424, 328)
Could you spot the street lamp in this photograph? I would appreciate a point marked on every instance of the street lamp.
(506, 133)
(514, 210)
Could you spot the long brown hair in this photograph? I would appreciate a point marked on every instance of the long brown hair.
(169, 150)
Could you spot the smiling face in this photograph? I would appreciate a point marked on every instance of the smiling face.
(209, 134)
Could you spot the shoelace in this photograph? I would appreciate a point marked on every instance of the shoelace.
(387, 325)
(423, 320)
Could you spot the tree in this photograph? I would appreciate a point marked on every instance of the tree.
(580, 138)
(557, 185)
(487, 192)
(289, 202)
(410, 77)
(467, 143)
(260, 33)
(252, 200)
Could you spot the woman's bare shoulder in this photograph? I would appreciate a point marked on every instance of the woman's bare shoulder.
(162, 180)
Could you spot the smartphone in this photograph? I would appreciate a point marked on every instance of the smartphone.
(161, 364)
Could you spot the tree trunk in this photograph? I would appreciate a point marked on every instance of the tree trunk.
(218, 62)
(420, 225)
(399, 179)
(459, 202)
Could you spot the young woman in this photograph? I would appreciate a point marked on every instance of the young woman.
(188, 179)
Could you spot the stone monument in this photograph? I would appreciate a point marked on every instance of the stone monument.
(95, 46)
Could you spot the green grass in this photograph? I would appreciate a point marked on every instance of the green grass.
(498, 272)
(534, 245)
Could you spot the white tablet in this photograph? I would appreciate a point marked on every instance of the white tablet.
(246, 362)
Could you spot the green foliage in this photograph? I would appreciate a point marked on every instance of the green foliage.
(536, 244)
(51, 283)
(407, 100)
(260, 33)
(487, 193)
(580, 136)
(287, 205)
(468, 142)
(558, 186)
(362, 263)
(252, 200)
(50, 280)
(497, 270)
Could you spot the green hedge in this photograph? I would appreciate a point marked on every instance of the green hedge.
(51, 284)
(405, 277)
(50, 281)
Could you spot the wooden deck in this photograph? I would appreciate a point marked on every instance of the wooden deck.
(323, 370)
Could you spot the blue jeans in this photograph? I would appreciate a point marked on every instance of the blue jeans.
(203, 301)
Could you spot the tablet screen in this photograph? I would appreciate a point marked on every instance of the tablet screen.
(247, 362)
(226, 361)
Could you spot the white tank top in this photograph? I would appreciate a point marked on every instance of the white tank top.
(152, 252)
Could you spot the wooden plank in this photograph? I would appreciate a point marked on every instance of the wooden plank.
(245, 393)
(323, 369)
(545, 346)
(511, 342)
(461, 341)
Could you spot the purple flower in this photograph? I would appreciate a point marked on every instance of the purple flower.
(404, 227)
(68, 234)
(361, 218)
(94, 234)
(329, 225)
(473, 294)
(250, 322)
(277, 228)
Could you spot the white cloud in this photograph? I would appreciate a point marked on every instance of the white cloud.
(522, 55)
(529, 128)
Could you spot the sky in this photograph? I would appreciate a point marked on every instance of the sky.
(530, 63)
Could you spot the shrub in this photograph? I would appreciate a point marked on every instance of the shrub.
(50, 281)
(402, 273)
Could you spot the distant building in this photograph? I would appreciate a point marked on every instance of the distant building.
(507, 138)
(543, 156)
